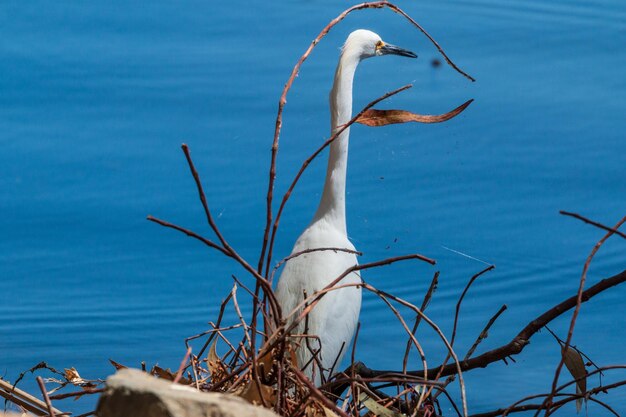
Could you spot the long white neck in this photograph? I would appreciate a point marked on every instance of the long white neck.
(332, 206)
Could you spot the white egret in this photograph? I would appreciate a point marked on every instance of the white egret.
(334, 318)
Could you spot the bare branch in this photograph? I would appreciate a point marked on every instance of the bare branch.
(294, 73)
(305, 164)
(42, 386)
(588, 221)
(579, 301)
(483, 335)
(517, 344)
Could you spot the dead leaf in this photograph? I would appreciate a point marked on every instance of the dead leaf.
(71, 374)
(376, 408)
(265, 364)
(576, 366)
(74, 378)
(116, 365)
(213, 360)
(312, 411)
(168, 375)
(253, 392)
(317, 410)
(292, 356)
(328, 412)
(375, 117)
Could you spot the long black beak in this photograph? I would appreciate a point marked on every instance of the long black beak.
(387, 49)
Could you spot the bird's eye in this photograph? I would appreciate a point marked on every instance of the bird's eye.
(380, 44)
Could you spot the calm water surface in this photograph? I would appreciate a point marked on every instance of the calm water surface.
(95, 100)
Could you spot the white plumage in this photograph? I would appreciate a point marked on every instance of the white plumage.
(335, 317)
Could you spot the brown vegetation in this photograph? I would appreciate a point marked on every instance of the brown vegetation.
(254, 359)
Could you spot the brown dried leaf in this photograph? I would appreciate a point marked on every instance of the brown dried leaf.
(252, 393)
(292, 356)
(377, 409)
(72, 375)
(328, 412)
(116, 365)
(168, 375)
(265, 364)
(576, 366)
(375, 117)
(213, 361)
(317, 410)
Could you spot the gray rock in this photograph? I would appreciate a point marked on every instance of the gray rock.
(133, 393)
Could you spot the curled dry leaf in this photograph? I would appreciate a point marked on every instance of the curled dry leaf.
(375, 117)
(576, 366)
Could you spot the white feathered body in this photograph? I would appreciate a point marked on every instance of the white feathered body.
(334, 318)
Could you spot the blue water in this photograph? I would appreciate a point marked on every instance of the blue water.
(95, 99)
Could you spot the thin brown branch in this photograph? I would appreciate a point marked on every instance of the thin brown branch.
(436, 328)
(579, 301)
(418, 318)
(310, 250)
(485, 333)
(189, 233)
(366, 372)
(23, 399)
(182, 366)
(413, 340)
(305, 164)
(313, 299)
(217, 325)
(432, 40)
(594, 223)
(554, 406)
(203, 200)
(562, 343)
(76, 394)
(42, 386)
(294, 73)
(458, 304)
(456, 317)
(226, 248)
(315, 392)
(517, 344)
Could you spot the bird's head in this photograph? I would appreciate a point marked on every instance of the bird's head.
(365, 44)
